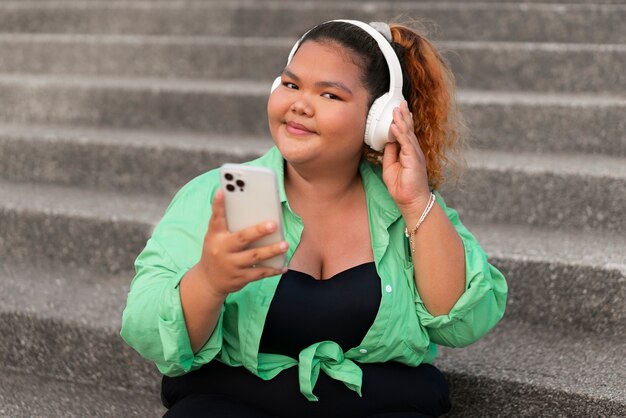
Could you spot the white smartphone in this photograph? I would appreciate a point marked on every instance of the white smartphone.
(251, 197)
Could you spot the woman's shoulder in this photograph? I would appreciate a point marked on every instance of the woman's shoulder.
(202, 186)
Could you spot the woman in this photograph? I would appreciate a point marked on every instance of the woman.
(379, 272)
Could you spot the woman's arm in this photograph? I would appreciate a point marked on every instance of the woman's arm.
(174, 308)
(482, 303)
(437, 249)
(225, 266)
(201, 307)
(438, 259)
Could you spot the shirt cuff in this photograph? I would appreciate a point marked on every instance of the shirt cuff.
(177, 352)
(478, 309)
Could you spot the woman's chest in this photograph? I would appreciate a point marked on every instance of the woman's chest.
(331, 244)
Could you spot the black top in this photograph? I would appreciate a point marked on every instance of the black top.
(305, 310)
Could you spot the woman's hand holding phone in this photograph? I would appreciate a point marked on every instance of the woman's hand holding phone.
(226, 261)
(226, 265)
(252, 249)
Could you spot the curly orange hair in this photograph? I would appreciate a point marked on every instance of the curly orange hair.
(431, 100)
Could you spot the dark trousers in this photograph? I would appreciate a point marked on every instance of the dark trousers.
(390, 390)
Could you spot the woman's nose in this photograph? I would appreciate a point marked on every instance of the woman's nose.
(302, 107)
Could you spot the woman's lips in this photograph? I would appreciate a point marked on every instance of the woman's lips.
(297, 129)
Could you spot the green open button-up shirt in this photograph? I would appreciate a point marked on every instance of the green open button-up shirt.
(403, 331)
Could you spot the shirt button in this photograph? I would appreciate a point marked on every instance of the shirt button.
(388, 288)
(363, 351)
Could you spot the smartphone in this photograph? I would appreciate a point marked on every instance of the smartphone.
(251, 197)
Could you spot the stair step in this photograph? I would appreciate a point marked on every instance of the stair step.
(103, 231)
(593, 23)
(110, 159)
(538, 67)
(545, 123)
(203, 57)
(562, 278)
(558, 191)
(69, 308)
(23, 396)
(525, 370)
(479, 65)
(210, 106)
(506, 120)
(521, 2)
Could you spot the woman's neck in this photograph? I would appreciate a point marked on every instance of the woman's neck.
(322, 187)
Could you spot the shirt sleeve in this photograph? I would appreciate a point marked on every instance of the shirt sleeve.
(482, 304)
(153, 321)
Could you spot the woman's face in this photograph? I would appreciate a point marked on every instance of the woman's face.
(318, 112)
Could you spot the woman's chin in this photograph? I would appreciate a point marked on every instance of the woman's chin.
(298, 151)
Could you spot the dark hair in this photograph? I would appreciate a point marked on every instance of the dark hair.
(428, 87)
(366, 51)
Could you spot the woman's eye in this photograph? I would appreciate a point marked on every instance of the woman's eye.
(290, 85)
(331, 96)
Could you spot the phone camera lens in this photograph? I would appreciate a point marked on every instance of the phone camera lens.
(230, 187)
(240, 183)
(228, 176)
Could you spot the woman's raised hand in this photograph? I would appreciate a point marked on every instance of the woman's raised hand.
(226, 263)
(404, 165)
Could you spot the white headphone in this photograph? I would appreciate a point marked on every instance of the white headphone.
(380, 115)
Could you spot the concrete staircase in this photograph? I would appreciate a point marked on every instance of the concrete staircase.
(108, 107)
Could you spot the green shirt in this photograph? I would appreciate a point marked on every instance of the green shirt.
(403, 331)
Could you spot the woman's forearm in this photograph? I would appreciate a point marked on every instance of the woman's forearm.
(201, 307)
(439, 260)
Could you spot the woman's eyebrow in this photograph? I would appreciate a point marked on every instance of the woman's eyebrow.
(336, 84)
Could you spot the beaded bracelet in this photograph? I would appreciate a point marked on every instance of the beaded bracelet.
(411, 235)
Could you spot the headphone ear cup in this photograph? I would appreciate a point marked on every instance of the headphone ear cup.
(372, 124)
(372, 120)
(275, 84)
(379, 120)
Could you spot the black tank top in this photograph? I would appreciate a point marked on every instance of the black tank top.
(305, 311)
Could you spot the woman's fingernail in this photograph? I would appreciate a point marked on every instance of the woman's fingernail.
(270, 226)
(283, 245)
